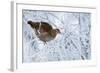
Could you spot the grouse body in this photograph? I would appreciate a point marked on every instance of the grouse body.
(44, 30)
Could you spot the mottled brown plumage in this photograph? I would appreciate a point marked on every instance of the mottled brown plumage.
(44, 30)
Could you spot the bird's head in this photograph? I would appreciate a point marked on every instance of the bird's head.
(54, 32)
(57, 31)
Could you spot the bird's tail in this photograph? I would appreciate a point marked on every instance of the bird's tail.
(32, 24)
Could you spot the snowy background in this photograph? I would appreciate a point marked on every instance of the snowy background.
(72, 44)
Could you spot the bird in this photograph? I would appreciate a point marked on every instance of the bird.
(44, 30)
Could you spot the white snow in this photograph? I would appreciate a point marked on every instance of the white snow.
(72, 44)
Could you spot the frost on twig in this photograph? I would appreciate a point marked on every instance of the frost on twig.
(72, 44)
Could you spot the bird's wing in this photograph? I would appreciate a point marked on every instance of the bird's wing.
(46, 26)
